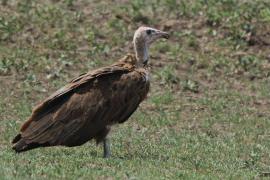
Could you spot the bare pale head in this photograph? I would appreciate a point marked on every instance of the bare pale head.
(143, 37)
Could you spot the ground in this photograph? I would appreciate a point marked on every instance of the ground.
(206, 117)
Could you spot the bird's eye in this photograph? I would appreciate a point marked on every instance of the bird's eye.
(149, 31)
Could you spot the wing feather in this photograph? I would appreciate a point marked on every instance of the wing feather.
(64, 93)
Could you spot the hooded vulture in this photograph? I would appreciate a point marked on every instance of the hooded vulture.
(90, 104)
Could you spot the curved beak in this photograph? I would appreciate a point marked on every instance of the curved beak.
(163, 34)
(158, 35)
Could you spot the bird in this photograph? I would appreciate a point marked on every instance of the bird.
(88, 106)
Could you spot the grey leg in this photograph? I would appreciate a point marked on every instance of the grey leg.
(106, 148)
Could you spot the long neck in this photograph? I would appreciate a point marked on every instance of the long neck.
(141, 51)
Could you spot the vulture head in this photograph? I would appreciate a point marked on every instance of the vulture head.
(143, 37)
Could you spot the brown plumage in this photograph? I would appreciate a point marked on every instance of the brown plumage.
(86, 107)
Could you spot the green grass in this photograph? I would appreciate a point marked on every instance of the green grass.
(206, 117)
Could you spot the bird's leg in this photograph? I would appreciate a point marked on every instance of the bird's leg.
(106, 148)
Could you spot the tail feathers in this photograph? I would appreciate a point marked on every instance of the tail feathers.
(20, 143)
(17, 138)
(21, 146)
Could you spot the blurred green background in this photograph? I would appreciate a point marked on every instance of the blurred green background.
(206, 117)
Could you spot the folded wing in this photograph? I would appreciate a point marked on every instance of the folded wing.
(82, 109)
